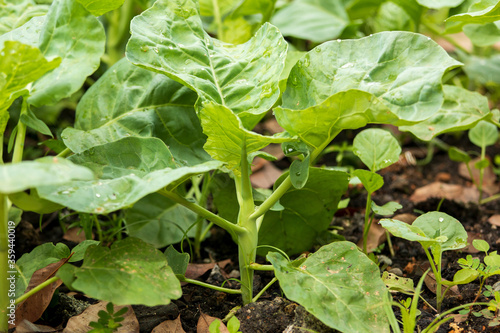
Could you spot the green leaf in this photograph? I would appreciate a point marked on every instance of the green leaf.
(128, 170)
(228, 140)
(299, 172)
(462, 109)
(28, 33)
(20, 65)
(481, 245)
(483, 70)
(483, 134)
(478, 15)
(15, 13)
(79, 250)
(72, 33)
(98, 8)
(338, 284)
(483, 34)
(169, 39)
(387, 209)
(131, 101)
(493, 260)
(391, 16)
(370, 180)
(30, 120)
(404, 230)
(44, 171)
(124, 274)
(159, 221)
(177, 261)
(33, 203)
(440, 4)
(314, 20)
(42, 256)
(397, 283)
(465, 276)
(318, 125)
(15, 215)
(482, 164)
(403, 70)
(376, 148)
(437, 224)
(233, 325)
(307, 212)
(458, 155)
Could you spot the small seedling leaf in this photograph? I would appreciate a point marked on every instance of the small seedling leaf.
(437, 225)
(458, 155)
(377, 148)
(481, 245)
(465, 275)
(387, 209)
(177, 261)
(483, 134)
(370, 180)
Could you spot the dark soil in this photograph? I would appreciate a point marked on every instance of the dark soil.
(273, 313)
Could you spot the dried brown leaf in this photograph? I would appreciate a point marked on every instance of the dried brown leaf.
(266, 176)
(204, 323)
(495, 220)
(80, 323)
(75, 235)
(430, 282)
(194, 271)
(447, 191)
(489, 177)
(170, 326)
(28, 327)
(376, 236)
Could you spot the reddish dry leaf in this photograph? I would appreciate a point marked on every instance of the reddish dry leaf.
(33, 308)
(489, 178)
(430, 282)
(75, 235)
(447, 191)
(495, 220)
(376, 236)
(266, 176)
(28, 327)
(170, 326)
(80, 323)
(204, 323)
(194, 271)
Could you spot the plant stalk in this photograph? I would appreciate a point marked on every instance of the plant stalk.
(211, 286)
(36, 289)
(119, 26)
(4, 252)
(20, 136)
(367, 221)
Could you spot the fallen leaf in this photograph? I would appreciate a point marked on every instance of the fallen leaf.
(75, 235)
(170, 326)
(410, 266)
(194, 271)
(489, 177)
(495, 220)
(80, 323)
(376, 236)
(266, 176)
(28, 327)
(32, 308)
(430, 282)
(204, 323)
(448, 191)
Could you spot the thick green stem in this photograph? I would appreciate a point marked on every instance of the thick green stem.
(202, 201)
(481, 175)
(4, 252)
(436, 269)
(64, 153)
(21, 136)
(218, 20)
(118, 29)
(259, 267)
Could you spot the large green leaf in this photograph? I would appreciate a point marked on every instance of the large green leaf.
(159, 221)
(461, 110)
(228, 140)
(390, 17)
(319, 124)
(28, 33)
(483, 70)
(338, 284)
(131, 101)
(376, 148)
(100, 7)
(483, 34)
(72, 33)
(307, 214)
(129, 169)
(314, 20)
(44, 171)
(169, 39)
(440, 4)
(130, 272)
(20, 65)
(481, 12)
(402, 69)
(15, 13)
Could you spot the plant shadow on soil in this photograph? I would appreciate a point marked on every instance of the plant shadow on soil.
(273, 313)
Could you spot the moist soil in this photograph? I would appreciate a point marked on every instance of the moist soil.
(273, 312)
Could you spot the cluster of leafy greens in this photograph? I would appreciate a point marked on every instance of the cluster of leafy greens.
(177, 113)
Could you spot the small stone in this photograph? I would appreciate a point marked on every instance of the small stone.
(396, 271)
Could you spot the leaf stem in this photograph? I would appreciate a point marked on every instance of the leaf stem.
(366, 229)
(218, 19)
(211, 286)
(64, 153)
(435, 30)
(36, 289)
(272, 199)
(21, 135)
(223, 223)
(259, 267)
(264, 289)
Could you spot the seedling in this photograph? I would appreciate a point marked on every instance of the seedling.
(377, 149)
(437, 232)
(109, 321)
(484, 134)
